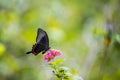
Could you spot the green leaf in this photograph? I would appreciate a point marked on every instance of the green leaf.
(99, 31)
(117, 38)
(64, 68)
(58, 61)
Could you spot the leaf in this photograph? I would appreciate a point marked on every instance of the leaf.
(117, 38)
(99, 31)
(64, 68)
(58, 61)
(52, 65)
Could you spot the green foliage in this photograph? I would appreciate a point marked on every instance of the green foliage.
(72, 27)
(62, 72)
(117, 37)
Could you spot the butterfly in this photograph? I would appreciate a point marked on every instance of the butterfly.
(42, 43)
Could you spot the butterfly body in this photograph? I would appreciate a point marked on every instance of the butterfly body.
(42, 43)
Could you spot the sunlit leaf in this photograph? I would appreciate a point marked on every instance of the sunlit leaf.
(99, 31)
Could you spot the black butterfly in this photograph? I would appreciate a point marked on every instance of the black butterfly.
(42, 43)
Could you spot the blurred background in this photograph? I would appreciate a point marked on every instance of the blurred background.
(86, 31)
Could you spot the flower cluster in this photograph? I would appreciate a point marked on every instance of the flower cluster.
(51, 54)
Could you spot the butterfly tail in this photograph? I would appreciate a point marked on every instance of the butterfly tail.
(29, 52)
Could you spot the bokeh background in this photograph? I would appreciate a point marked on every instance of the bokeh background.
(84, 30)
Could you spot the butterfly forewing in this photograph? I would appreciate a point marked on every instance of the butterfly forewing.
(40, 35)
(45, 42)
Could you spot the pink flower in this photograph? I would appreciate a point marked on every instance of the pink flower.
(51, 54)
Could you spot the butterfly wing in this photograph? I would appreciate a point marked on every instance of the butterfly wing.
(40, 35)
(42, 41)
(45, 42)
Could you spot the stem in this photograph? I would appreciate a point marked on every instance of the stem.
(55, 69)
(103, 64)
